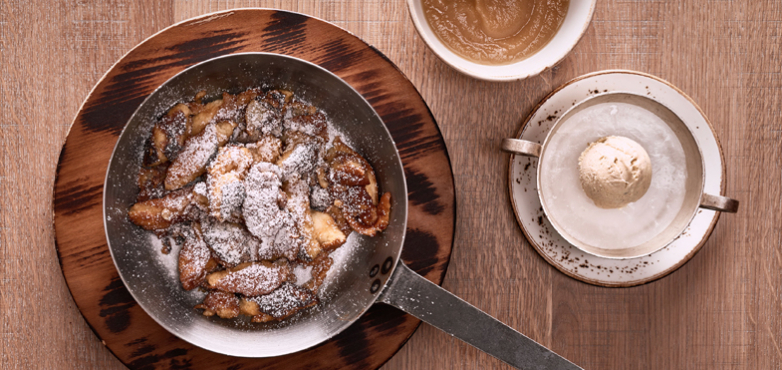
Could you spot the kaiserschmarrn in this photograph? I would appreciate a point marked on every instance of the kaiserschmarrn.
(249, 187)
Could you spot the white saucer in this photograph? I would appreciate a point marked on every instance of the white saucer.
(522, 179)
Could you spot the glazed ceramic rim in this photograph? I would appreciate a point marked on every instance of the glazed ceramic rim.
(514, 71)
(572, 240)
(539, 248)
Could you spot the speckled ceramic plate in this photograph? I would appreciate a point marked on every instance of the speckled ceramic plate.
(522, 179)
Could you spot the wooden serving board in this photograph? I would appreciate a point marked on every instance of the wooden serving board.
(93, 280)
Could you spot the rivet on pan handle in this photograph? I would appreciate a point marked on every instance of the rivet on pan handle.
(522, 147)
(719, 203)
(425, 300)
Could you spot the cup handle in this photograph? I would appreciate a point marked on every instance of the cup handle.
(523, 147)
(719, 203)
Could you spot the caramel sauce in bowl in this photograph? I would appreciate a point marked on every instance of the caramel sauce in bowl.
(495, 32)
(501, 40)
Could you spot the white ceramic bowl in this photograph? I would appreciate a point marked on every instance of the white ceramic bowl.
(577, 20)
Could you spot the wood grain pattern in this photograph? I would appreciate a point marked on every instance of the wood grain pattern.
(81, 244)
(719, 311)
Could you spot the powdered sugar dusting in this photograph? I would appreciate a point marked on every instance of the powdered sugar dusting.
(199, 149)
(320, 199)
(262, 118)
(284, 300)
(261, 209)
(341, 258)
(169, 261)
(253, 280)
(231, 242)
(303, 274)
(302, 160)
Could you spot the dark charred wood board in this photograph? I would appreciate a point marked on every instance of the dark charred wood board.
(93, 280)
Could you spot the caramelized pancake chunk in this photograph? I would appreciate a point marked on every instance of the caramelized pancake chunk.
(262, 119)
(283, 302)
(232, 243)
(150, 183)
(326, 231)
(195, 155)
(225, 305)
(267, 149)
(195, 260)
(204, 115)
(250, 278)
(224, 178)
(160, 213)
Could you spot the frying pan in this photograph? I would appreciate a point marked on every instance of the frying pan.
(354, 283)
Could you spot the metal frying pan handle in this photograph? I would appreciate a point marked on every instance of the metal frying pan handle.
(425, 300)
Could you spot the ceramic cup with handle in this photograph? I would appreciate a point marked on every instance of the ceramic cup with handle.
(694, 196)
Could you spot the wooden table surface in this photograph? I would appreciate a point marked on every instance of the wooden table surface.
(722, 310)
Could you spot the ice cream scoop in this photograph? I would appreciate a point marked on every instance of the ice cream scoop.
(614, 171)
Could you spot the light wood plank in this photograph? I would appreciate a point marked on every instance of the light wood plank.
(722, 310)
